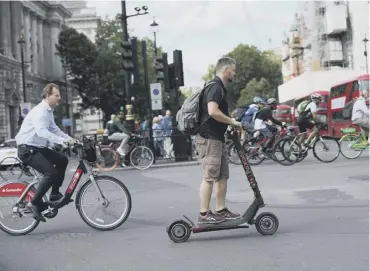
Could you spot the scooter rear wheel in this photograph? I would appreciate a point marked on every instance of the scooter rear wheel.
(267, 223)
(179, 231)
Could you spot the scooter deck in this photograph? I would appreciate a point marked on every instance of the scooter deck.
(225, 224)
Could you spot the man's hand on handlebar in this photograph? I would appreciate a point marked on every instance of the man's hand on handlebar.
(236, 124)
(70, 141)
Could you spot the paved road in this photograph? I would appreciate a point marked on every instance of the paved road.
(322, 208)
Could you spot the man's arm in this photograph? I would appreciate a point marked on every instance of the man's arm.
(56, 130)
(214, 97)
(42, 129)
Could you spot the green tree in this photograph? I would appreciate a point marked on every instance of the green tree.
(261, 88)
(97, 68)
(210, 73)
(252, 63)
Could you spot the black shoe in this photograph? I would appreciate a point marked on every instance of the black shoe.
(55, 196)
(36, 212)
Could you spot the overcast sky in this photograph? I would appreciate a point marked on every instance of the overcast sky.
(205, 30)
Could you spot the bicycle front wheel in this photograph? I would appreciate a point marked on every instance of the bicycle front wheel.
(329, 146)
(346, 146)
(113, 192)
(141, 157)
(107, 159)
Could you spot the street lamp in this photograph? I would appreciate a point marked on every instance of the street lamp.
(365, 40)
(155, 28)
(22, 42)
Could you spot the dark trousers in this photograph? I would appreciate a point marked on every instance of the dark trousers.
(49, 163)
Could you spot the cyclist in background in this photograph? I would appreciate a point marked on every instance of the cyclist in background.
(264, 115)
(307, 118)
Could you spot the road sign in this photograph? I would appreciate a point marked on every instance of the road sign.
(156, 104)
(25, 108)
(156, 91)
(66, 122)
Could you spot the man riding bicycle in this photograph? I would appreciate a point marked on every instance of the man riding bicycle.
(249, 115)
(360, 112)
(307, 118)
(264, 115)
(39, 128)
(120, 133)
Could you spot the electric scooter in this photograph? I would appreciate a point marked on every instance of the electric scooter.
(266, 223)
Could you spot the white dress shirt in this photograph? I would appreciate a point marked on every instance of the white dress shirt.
(360, 110)
(39, 127)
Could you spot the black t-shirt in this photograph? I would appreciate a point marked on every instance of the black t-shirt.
(266, 114)
(212, 129)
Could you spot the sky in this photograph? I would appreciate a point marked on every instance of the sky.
(206, 30)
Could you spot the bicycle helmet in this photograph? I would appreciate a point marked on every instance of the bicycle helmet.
(316, 96)
(271, 101)
(258, 100)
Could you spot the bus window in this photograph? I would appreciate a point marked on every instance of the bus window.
(339, 90)
(363, 85)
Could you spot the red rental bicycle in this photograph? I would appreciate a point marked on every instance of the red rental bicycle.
(21, 192)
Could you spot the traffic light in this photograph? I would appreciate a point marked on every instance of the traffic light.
(128, 64)
(179, 70)
(159, 68)
(165, 73)
(135, 61)
(171, 76)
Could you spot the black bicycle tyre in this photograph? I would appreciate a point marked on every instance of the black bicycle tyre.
(86, 220)
(318, 158)
(245, 148)
(287, 161)
(237, 160)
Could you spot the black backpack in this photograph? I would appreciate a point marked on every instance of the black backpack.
(347, 110)
(240, 111)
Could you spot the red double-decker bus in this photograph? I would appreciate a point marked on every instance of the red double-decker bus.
(341, 94)
(283, 113)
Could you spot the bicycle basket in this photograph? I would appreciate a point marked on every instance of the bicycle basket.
(89, 151)
(348, 130)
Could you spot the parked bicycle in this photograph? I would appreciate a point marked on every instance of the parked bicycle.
(354, 142)
(137, 153)
(21, 192)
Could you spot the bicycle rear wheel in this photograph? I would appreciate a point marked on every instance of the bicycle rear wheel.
(16, 219)
(329, 145)
(139, 154)
(347, 142)
(110, 198)
(107, 159)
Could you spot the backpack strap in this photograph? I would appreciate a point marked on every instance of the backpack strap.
(205, 87)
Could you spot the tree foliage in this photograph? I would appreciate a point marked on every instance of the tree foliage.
(97, 68)
(261, 88)
(255, 68)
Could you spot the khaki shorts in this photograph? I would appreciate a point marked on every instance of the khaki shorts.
(214, 157)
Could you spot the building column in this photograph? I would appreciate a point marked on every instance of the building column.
(5, 41)
(27, 36)
(16, 20)
(35, 61)
(41, 57)
(54, 35)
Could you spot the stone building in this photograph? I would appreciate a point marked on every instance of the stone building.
(39, 23)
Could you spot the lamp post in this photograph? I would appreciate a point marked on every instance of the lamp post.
(21, 43)
(365, 40)
(124, 17)
(155, 28)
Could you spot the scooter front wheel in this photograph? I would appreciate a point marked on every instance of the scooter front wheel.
(267, 223)
(179, 231)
